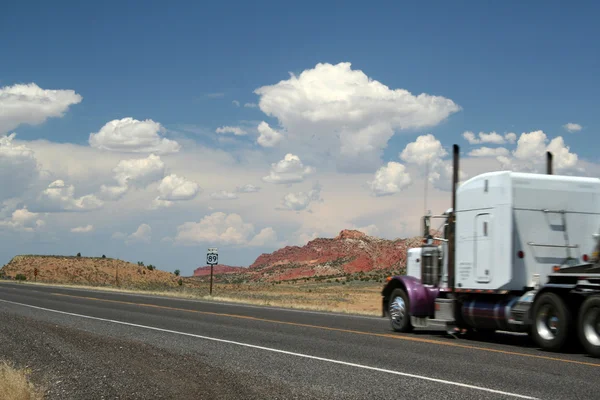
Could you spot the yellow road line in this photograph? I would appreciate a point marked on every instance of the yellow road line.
(385, 335)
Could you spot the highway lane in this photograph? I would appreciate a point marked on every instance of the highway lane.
(283, 353)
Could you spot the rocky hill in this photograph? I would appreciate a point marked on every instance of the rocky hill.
(218, 269)
(348, 254)
(87, 271)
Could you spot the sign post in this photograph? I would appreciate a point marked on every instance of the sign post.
(35, 274)
(212, 259)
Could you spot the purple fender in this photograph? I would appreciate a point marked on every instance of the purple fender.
(421, 298)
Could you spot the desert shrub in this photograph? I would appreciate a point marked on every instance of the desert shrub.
(180, 282)
(21, 277)
(78, 254)
(177, 272)
(103, 256)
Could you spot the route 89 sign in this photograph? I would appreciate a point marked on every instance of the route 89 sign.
(212, 257)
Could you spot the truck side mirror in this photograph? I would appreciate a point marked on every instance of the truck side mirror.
(425, 226)
(446, 231)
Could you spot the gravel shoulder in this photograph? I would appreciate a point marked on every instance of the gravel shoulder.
(74, 364)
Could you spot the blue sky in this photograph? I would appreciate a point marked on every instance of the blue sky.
(510, 66)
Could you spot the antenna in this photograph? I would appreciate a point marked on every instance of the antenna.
(426, 185)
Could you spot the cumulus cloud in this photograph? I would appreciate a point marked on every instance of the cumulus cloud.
(221, 228)
(32, 105)
(143, 234)
(18, 168)
(301, 200)
(390, 179)
(531, 149)
(83, 229)
(23, 220)
(236, 130)
(248, 188)
(492, 138)
(572, 127)
(346, 113)
(176, 188)
(132, 136)
(425, 149)
(61, 197)
(269, 137)
(136, 173)
(289, 170)
(266, 237)
(223, 195)
(489, 152)
(428, 151)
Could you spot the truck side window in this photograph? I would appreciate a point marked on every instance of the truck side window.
(485, 228)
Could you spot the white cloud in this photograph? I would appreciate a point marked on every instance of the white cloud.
(269, 137)
(32, 105)
(143, 234)
(489, 152)
(530, 154)
(83, 229)
(334, 110)
(572, 127)
(60, 197)
(223, 195)
(236, 130)
(492, 138)
(18, 168)
(174, 188)
(251, 105)
(221, 228)
(235, 103)
(132, 136)
(426, 149)
(23, 220)
(390, 179)
(139, 172)
(248, 188)
(301, 200)
(266, 237)
(289, 170)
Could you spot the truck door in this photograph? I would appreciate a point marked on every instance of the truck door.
(483, 247)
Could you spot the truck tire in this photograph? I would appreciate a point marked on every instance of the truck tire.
(588, 324)
(551, 322)
(398, 311)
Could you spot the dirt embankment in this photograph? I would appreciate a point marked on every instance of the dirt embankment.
(93, 271)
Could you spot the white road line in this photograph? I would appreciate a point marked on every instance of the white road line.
(464, 385)
(222, 303)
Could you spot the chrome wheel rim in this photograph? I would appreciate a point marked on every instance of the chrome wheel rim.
(547, 323)
(591, 326)
(397, 311)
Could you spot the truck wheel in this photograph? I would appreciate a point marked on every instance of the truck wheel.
(551, 322)
(398, 311)
(589, 325)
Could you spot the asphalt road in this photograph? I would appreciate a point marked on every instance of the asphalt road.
(101, 345)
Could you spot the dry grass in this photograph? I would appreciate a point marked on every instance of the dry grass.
(15, 385)
(362, 298)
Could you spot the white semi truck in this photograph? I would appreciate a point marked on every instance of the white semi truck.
(519, 252)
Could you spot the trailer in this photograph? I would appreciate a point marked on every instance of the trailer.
(519, 252)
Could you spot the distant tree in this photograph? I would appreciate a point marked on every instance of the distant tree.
(150, 267)
(177, 272)
(103, 256)
(78, 254)
(141, 263)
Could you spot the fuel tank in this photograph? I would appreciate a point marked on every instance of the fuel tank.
(488, 314)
